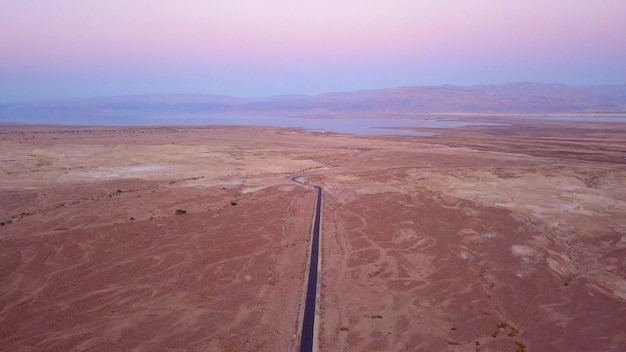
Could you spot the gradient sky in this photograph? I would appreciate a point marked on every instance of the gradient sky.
(78, 48)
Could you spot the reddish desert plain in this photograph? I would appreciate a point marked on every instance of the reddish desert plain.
(482, 238)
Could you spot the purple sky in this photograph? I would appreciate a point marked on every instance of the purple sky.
(74, 48)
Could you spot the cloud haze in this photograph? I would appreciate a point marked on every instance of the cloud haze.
(73, 48)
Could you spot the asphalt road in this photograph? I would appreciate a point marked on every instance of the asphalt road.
(307, 341)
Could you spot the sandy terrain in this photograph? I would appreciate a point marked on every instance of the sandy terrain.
(507, 238)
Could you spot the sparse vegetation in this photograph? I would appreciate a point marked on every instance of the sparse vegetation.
(343, 328)
(180, 212)
(504, 326)
(520, 347)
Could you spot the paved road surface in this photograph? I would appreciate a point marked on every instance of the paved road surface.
(307, 342)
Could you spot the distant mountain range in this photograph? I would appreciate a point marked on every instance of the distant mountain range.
(523, 98)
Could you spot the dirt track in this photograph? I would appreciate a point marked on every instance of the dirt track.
(475, 239)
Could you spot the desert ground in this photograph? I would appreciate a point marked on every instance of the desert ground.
(194, 238)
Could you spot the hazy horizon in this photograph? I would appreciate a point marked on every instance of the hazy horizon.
(271, 47)
(165, 94)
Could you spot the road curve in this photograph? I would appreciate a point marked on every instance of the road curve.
(308, 341)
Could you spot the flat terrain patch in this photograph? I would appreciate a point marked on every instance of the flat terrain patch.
(499, 238)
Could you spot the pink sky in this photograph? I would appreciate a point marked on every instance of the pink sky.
(67, 48)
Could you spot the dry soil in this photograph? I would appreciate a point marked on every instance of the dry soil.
(500, 238)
